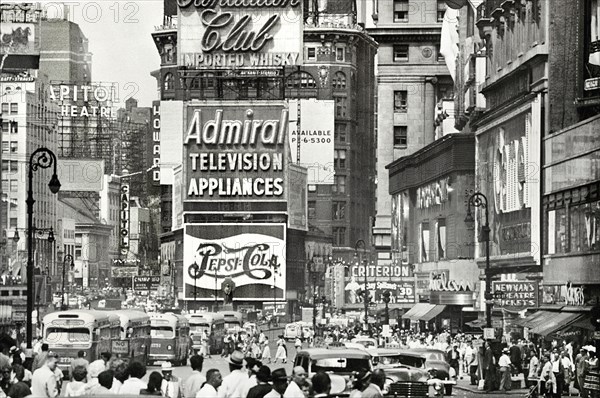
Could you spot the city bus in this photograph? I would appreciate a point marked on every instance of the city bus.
(134, 339)
(214, 324)
(233, 319)
(71, 331)
(169, 339)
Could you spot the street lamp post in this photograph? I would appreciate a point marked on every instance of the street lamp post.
(361, 244)
(40, 158)
(313, 274)
(67, 257)
(480, 200)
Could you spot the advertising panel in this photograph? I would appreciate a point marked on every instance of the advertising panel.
(124, 272)
(516, 294)
(402, 292)
(146, 282)
(235, 153)
(85, 101)
(507, 178)
(171, 139)
(124, 214)
(18, 38)
(237, 34)
(297, 197)
(155, 143)
(81, 175)
(251, 255)
(177, 206)
(312, 147)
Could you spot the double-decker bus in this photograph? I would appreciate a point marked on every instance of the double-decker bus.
(233, 319)
(134, 339)
(90, 331)
(169, 338)
(214, 324)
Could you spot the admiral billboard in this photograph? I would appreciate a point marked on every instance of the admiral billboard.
(240, 33)
(235, 153)
(251, 255)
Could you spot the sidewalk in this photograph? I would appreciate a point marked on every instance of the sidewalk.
(464, 385)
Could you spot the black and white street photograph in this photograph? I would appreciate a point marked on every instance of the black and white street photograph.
(300, 198)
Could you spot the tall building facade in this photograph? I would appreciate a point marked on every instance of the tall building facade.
(413, 86)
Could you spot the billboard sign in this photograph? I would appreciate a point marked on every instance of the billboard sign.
(124, 219)
(146, 282)
(251, 255)
(516, 294)
(237, 34)
(313, 146)
(18, 38)
(124, 272)
(402, 292)
(234, 153)
(81, 175)
(84, 101)
(156, 143)
(297, 198)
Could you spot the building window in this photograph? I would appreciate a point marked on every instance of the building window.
(5, 146)
(341, 107)
(441, 238)
(77, 252)
(14, 146)
(339, 185)
(339, 210)
(5, 108)
(424, 242)
(400, 10)
(401, 53)
(339, 159)
(311, 54)
(339, 236)
(575, 229)
(440, 57)
(14, 185)
(400, 136)
(339, 80)
(312, 209)
(340, 54)
(14, 108)
(13, 222)
(341, 130)
(169, 82)
(441, 10)
(400, 101)
(300, 84)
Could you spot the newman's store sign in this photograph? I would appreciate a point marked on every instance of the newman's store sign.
(251, 255)
(235, 153)
(240, 33)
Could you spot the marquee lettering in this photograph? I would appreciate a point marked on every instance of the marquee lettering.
(237, 39)
(441, 283)
(238, 3)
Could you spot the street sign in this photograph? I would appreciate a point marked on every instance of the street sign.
(120, 347)
(489, 333)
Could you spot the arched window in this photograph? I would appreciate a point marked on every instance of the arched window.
(168, 82)
(195, 84)
(339, 80)
(300, 84)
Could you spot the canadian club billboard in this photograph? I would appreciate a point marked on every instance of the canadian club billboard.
(235, 153)
(250, 255)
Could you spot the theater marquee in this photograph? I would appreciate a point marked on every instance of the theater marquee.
(240, 33)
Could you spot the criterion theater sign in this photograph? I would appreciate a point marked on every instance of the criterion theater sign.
(234, 153)
(240, 33)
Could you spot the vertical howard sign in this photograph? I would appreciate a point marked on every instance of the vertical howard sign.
(240, 33)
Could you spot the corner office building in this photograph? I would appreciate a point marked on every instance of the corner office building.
(248, 210)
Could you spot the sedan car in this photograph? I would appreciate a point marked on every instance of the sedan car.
(436, 360)
(406, 373)
(339, 362)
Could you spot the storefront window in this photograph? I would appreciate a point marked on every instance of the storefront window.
(574, 229)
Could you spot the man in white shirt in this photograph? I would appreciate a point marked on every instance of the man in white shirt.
(134, 384)
(44, 381)
(505, 370)
(193, 384)
(232, 384)
(294, 389)
(213, 381)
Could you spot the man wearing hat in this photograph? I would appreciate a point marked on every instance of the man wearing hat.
(280, 383)
(294, 389)
(505, 370)
(171, 386)
(234, 382)
(262, 388)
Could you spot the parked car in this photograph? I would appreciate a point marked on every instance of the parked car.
(406, 373)
(436, 360)
(339, 362)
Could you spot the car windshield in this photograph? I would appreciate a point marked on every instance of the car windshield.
(162, 332)
(66, 336)
(407, 360)
(435, 356)
(340, 365)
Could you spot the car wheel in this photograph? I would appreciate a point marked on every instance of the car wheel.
(448, 389)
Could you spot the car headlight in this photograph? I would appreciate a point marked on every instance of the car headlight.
(169, 347)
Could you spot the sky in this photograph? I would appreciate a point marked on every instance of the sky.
(119, 34)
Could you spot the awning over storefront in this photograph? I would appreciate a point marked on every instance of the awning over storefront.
(416, 312)
(433, 313)
(553, 322)
(534, 319)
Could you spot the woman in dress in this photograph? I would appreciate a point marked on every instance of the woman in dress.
(266, 354)
(281, 350)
